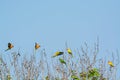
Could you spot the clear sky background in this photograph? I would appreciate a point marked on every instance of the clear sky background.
(53, 22)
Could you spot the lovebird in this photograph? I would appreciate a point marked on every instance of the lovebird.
(62, 61)
(110, 63)
(37, 46)
(9, 77)
(58, 53)
(74, 77)
(47, 78)
(69, 51)
(10, 46)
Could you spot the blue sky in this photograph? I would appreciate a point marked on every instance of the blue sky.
(53, 22)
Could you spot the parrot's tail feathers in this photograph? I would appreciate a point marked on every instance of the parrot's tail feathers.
(6, 49)
(52, 56)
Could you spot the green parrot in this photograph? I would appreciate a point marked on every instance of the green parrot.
(58, 54)
(62, 61)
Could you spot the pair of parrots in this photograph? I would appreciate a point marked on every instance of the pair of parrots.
(60, 53)
(10, 46)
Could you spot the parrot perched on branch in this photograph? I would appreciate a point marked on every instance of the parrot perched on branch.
(110, 63)
(58, 54)
(62, 61)
(69, 51)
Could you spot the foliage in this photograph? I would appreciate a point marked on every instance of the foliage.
(40, 66)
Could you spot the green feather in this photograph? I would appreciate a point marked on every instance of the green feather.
(62, 61)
